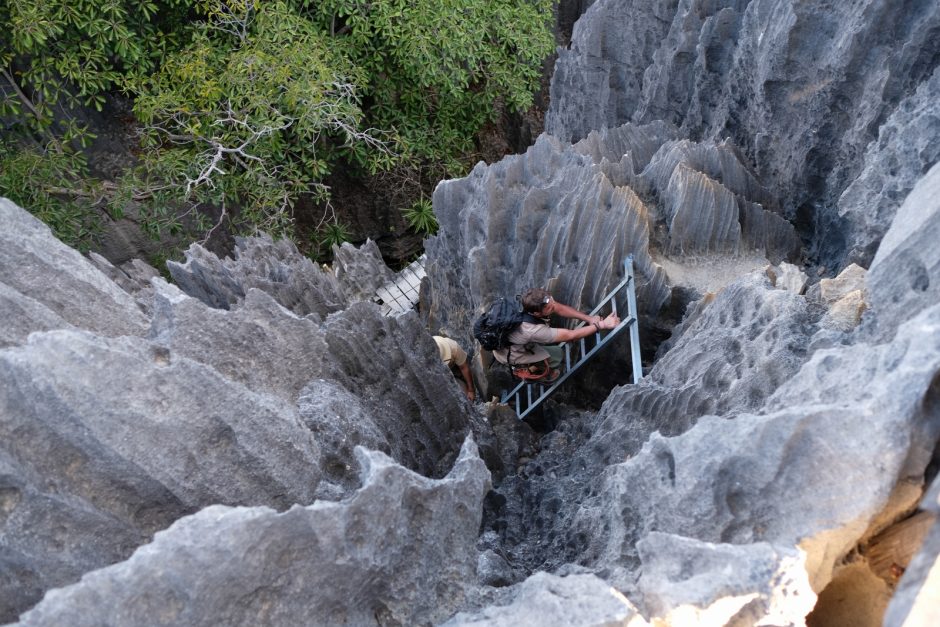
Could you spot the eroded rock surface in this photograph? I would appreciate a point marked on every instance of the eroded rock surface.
(115, 424)
(45, 281)
(814, 95)
(189, 453)
(315, 564)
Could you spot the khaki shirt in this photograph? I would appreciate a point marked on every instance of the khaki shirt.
(525, 342)
(451, 353)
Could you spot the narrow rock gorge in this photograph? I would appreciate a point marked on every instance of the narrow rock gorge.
(254, 443)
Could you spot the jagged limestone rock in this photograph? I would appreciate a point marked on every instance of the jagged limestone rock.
(399, 551)
(553, 601)
(772, 106)
(729, 356)
(721, 163)
(845, 298)
(787, 276)
(830, 291)
(258, 343)
(278, 269)
(360, 271)
(390, 365)
(548, 218)
(552, 218)
(846, 313)
(22, 315)
(340, 422)
(46, 272)
(494, 570)
(52, 532)
(625, 151)
(905, 149)
(711, 202)
(274, 267)
(105, 441)
(755, 489)
(132, 276)
(904, 277)
(688, 582)
(738, 350)
(702, 215)
(220, 442)
(801, 88)
(597, 83)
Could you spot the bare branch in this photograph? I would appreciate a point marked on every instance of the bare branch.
(21, 95)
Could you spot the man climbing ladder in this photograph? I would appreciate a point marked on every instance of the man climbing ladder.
(494, 329)
(534, 352)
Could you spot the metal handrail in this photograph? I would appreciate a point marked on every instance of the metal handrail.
(601, 340)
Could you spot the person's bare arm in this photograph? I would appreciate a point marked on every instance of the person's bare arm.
(468, 380)
(567, 335)
(566, 311)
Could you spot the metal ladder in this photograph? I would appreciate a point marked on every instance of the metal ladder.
(539, 390)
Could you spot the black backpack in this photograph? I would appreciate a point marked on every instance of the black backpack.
(493, 327)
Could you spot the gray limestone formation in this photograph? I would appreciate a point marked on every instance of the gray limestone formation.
(903, 279)
(905, 149)
(813, 93)
(757, 582)
(105, 441)
(552, 601)
(56, 282)
(115, 425)
(559, 214)
(277, 268)
(257, 444)
(309, 565)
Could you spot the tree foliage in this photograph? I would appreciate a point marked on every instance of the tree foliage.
(32, 177)
(251, 114)
(247, 105)
(63, 52)
(436, 68)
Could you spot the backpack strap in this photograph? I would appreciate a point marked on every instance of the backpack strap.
(527, 317)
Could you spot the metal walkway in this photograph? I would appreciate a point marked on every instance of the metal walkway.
(527, 396)
(401, 294)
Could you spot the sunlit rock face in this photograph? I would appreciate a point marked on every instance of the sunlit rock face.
(359, 562)
(124, 411)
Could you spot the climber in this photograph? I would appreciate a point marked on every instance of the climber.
(536, 345)
(454, 357)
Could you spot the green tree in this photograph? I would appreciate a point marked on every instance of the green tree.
(55, 57)
(437, 69)
(62, 53)
(250, 115)
(247, 105)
